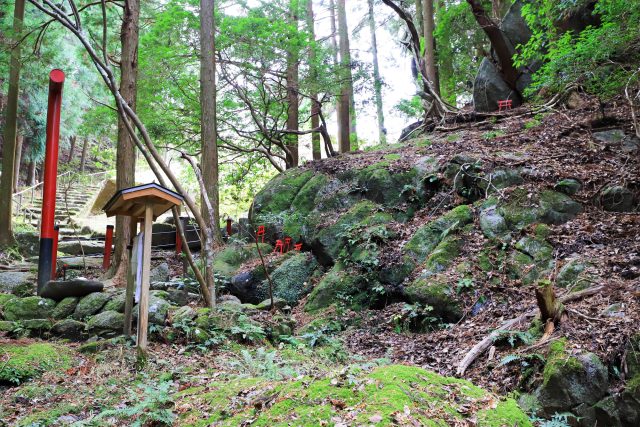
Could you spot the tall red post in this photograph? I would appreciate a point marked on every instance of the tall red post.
(229, 220)
(178, 242)
(108, 243)
(45, 264)
(54, 252)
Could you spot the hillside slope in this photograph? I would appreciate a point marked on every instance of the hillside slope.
(431, 245)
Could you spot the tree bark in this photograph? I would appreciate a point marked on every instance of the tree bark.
(419, 18)
(208, 119)
(293, 112)
(498, 43)
(431, 66)
(83, 157)
(16, 173)
(10, 129)
(31, 174)
(315, 105)
(344, 114)
(125, 153)
(336, 63)
(377, 80)
(72, 147)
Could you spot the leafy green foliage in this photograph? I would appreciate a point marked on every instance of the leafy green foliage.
(600, 57)
(415, 317)
(150, 405)
(515, 338)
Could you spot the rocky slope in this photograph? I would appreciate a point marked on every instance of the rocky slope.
(437, 242)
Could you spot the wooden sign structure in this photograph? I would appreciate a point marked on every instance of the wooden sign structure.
(143, 202)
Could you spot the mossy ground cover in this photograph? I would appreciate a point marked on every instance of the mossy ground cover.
(22, 362)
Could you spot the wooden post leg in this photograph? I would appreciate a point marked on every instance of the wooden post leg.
(143, 312)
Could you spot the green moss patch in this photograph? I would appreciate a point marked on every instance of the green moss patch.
(20, 363)
(390, 395)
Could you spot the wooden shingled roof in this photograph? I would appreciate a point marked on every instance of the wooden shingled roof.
(132, 201)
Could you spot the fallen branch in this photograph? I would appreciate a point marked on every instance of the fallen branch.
(483, 345)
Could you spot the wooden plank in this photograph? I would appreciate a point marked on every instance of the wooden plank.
(152, 192)
(143, 308)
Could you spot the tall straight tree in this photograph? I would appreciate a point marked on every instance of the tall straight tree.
(419, 18)
(345, 135)
(293, 56)
(342, 119)
(208, 122)
(430, 45)
(125, 152)
(10, 131)
(315, 105)
(377, 80)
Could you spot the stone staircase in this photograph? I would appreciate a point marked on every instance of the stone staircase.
(69, 204)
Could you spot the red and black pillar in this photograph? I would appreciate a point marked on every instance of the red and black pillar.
(54, 251)
(47, 233)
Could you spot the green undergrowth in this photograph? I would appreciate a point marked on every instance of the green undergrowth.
(357, 395)
(23, 362)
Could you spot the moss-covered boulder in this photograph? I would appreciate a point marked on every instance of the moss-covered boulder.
(36, 327)
(531, 259)
(4, 298)
(427, 237)
(7, 326)
(617, 199)
(18, 283)
(28, 308)
(492, 223)
(182, 315)
(557, 208)
(90, 305)
(228, 260)
(573, 274)
(291, 278)
(571, 380)
(389, 395)
(278, 194)
(116, 303)
(329, 241)
(158, 307)
(568, 186)
(443, 255)
(20, 362)
(435, 292)
(107, 322)
(386, 187)
(70, 329)
(247, 285)
(65, 308)
(339, 284)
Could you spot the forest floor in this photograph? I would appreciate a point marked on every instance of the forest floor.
(555, 145)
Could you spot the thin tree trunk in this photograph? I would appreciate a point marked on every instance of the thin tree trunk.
(125, 154)
(16, 173)
(208, 128)
(72, 148)
(31, 174)
(292, 91)
(344, 113)
(315, 105)
(430, 46)
(419, 18)
(377, 80)
(10, 129)
(498, 43)
(83, 157)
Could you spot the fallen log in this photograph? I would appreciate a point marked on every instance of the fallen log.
(483, 345)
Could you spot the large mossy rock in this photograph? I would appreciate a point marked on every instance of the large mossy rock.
(277, 196)
(29, 308)
(25, 362)
(246, 285)
(291, 278)
(116, 303)
(342, 285)
(160, 273)
(60, 289)
(329, 241)
(65, 308)
(427, 237)
(70, 329)
(618, 199)
(107, 322)
(90, 305)
(388, 395)
(436, 293)
(571, 380)
(158, 307)
(228, 260)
